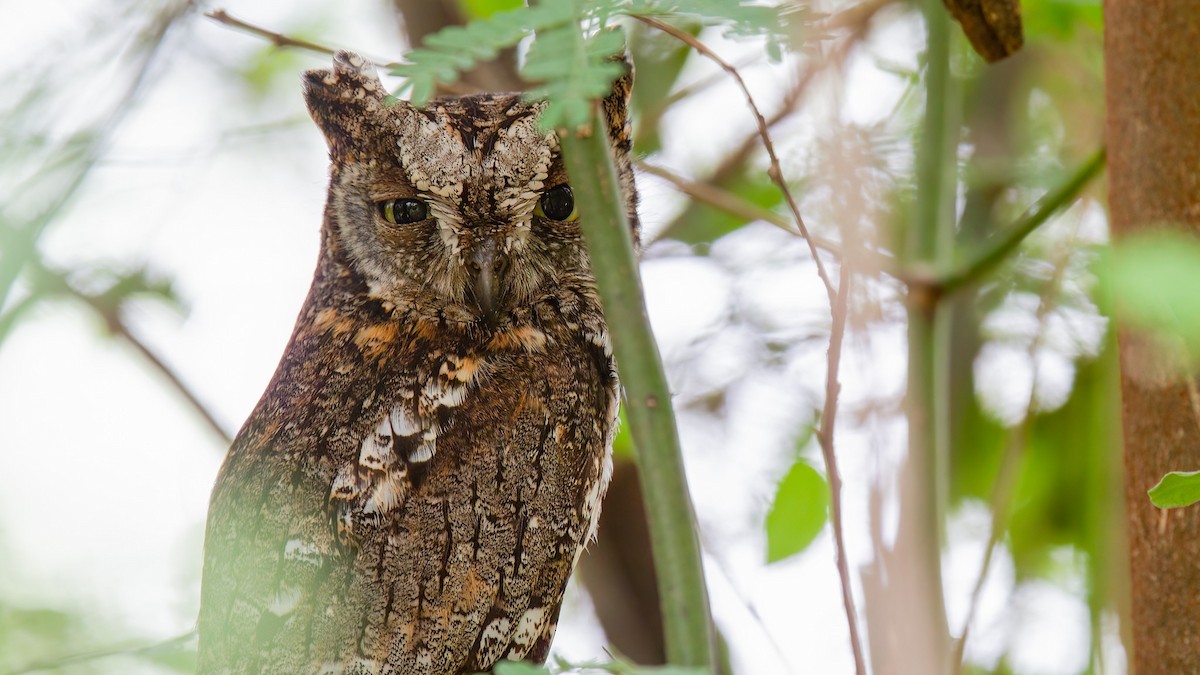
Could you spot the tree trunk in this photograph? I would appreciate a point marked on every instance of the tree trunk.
(1153, 104)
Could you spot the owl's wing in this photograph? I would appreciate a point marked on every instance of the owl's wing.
(293, 504)
(269, 545)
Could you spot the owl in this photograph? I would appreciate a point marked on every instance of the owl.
(414, 488)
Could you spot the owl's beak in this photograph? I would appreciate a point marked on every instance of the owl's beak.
(487, 263)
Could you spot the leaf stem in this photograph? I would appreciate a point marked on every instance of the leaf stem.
(686, 620)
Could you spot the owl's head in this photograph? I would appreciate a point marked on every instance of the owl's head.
(462, 206)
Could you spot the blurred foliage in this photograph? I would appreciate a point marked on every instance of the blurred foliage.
(570, 69)
(702, 224)
(1155, 277)
(57, 639)
(29, 634)
(1061, 19)
(613, 668)
(659, 63)
(482, 9)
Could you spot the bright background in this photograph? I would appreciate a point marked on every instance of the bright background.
(214, 181)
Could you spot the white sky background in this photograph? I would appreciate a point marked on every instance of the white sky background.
(105, 474)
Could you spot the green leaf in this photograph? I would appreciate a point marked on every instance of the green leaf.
(624, 668)
(1176, 489)
(574, 71)
(445, 54)
(482, 9)
(703, 224)
(622, 447)
(799, 512)
(519, 668)
(572, 67)
(1061, 19)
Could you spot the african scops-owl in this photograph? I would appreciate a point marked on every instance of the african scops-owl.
(427, 464)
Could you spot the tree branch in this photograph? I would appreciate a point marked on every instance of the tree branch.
(56, 282)
(686, 618)
(730, 203)
(277, 39)
(999, 249)
(833, 390)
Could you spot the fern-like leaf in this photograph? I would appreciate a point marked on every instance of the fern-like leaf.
(573, 72)
(571, 58)
(444, 55)
(740, 18)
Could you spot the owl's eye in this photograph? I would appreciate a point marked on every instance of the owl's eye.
(403, 211)
(557, 203)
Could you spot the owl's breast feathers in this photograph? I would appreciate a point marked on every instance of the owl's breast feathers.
(412, 492)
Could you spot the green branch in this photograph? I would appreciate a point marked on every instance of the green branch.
(990, 256)
(686, 622)
(922, 478)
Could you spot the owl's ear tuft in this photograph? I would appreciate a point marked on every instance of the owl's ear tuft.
(344, 99)
(616, 107)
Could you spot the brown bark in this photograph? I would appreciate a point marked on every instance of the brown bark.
(992, 26)
(1153, 103)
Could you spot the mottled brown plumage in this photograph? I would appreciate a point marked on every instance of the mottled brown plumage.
(412, 491)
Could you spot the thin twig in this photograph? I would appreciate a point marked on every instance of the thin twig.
(734, 205)
(825, 431)
(119, 327)
(857, 19)
(748, 605)
(57, 282)
(281, 40)
(1014, 453)
(730, 203)
(775, 171)
(277, 39)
